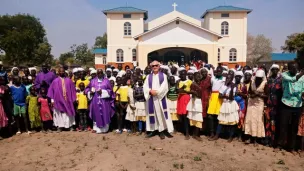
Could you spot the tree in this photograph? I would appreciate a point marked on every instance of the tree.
(101, 41)
(20, 36)
(82, 53)
(63, 57)
(295, 44)
(42, 54)
(258, 48)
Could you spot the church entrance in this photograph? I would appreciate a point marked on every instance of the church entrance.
(178, 55)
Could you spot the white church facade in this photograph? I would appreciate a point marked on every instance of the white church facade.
(218, 37)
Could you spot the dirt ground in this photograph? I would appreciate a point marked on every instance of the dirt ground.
(110, 152)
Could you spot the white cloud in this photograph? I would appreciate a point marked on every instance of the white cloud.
(66, 22)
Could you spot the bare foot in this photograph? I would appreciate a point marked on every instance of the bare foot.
(197, 138)
(230, 140)
(187, 137)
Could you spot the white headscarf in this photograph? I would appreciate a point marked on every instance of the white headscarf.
(117, 70)
(260, 73)
(239, 73)
(94, 71)
(109, 69)
(75, 70)
(248, 71)
(13, 69)
(121, 73)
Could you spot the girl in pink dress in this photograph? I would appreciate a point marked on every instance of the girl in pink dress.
(45, 112)
(3, 117)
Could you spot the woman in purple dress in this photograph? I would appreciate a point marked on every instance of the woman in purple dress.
(102, 103)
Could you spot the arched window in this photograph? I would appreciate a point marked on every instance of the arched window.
(104, 60)
(232, 55)
(225, 28)
(134, 58)
(127, 29)
(119, 55)
(218, 54)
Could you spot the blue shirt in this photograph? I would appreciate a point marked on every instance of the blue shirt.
(292, 90)
(19, 94)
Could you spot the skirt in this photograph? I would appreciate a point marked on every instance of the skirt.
(214, 104)
(172, 109)
(140, 111)
(182, 102)
(195, 112)
(254, 120)
(130, 116)
(3, 118)
(301, 126)
(229, 114)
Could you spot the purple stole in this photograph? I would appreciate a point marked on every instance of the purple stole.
(150, 101)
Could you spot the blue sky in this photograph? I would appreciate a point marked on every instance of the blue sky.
(70, 22)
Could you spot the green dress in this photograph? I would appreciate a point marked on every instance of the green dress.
(33, 111)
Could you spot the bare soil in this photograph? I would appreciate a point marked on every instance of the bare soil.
(110, 152)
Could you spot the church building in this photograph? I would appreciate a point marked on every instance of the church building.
(218, 37)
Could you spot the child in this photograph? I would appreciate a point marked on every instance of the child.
(82, 108)
(194, 107)
(33, 111)
(45, 112)
(19, 94)
(27, 83)
(86, 82)
(229, 112)
(172, 98)
(183, 100)
(130, 116)
(122, 93)
(3, 117)
(140, 105)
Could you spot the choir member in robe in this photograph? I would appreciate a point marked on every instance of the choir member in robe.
(102, 103)
(155, 91)
(44, 78)
(62, 92)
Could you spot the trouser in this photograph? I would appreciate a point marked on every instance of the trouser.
(289, 122)
(141, 125)
(121, 117)
(82, 118)
(212, 123)
(185, 122)
(231, 129)
(47, 125)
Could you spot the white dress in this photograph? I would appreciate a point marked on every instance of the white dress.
(229, 112)
(195, 109)
(130, 116)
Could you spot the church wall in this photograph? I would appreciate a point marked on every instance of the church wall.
(176, 34)
(116, 38)
(168, 17)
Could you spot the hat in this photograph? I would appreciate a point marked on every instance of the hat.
(13, 69)
(190, 71)
(109, 69)
(115, 70)
(239, 73)
(80, 69)
(225, 72)
(181, 69)
(248, 71)
(94, 71)
(75, 70)
(260, 73)
(275, 66)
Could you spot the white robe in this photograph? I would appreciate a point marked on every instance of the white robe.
(161, 123)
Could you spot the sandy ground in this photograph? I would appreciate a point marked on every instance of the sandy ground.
(88, 151)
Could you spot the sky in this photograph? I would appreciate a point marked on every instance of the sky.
(69, 22)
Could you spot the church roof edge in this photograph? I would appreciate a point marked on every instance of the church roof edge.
(126, 10)
(226, 9)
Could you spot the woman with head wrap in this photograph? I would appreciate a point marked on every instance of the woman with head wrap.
(206, 90)
(254, 122)
(242, 97)
(275, 92)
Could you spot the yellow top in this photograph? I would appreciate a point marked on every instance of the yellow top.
(114, 90)
(187, 83)
(123, 92)
(86, 83)
(82, 101)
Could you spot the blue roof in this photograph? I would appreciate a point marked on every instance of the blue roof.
(100, 50)
(126, 10)
(226, 9)
(283, 56)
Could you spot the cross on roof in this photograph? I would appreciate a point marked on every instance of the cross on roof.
(174, 6)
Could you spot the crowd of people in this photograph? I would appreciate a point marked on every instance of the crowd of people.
(244, 103)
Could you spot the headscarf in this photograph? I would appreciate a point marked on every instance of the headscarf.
(14, 69)
(249, 72)
(109, 69)
(239, 73)
(94, 71)
(117, 70)
(260, 73)
(75, 70)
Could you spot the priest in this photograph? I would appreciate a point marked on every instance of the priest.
(155, 91)
(102, 103)
(62, 92)
(44, 78)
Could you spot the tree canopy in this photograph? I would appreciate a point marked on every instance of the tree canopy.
(258, 47)
(22, 37)
(295, 44)
(101, 41)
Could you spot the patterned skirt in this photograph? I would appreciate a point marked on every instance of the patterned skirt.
(301, 126)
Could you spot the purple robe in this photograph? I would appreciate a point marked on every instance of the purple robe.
(48, 78)
(55, 92)
(101, 109)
